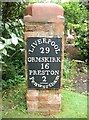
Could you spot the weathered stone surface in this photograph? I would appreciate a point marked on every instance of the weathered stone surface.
(32, 93)
(43, 98)
(32, 98)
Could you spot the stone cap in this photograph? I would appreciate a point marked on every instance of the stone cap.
(44, 12)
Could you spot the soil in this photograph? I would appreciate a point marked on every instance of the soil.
(80, 83)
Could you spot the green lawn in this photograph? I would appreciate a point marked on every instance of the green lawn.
(74, 105)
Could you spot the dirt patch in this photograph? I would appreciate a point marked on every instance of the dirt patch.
(80, 83)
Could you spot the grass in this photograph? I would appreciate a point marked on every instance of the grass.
(74, 105)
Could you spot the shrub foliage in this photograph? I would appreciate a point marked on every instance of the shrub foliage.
(11, 41)
(76, 19)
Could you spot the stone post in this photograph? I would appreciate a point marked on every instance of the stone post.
(44, 51)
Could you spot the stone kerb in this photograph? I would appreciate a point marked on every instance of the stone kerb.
(44, 20)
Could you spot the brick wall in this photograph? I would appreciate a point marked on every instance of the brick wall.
(43, 24)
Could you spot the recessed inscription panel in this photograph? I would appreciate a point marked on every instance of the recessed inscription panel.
(43, 62)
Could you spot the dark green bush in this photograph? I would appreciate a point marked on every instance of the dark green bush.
(69, 69)
(76, 19)
(12, 42)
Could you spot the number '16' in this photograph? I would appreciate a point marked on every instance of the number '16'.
(45, 66)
